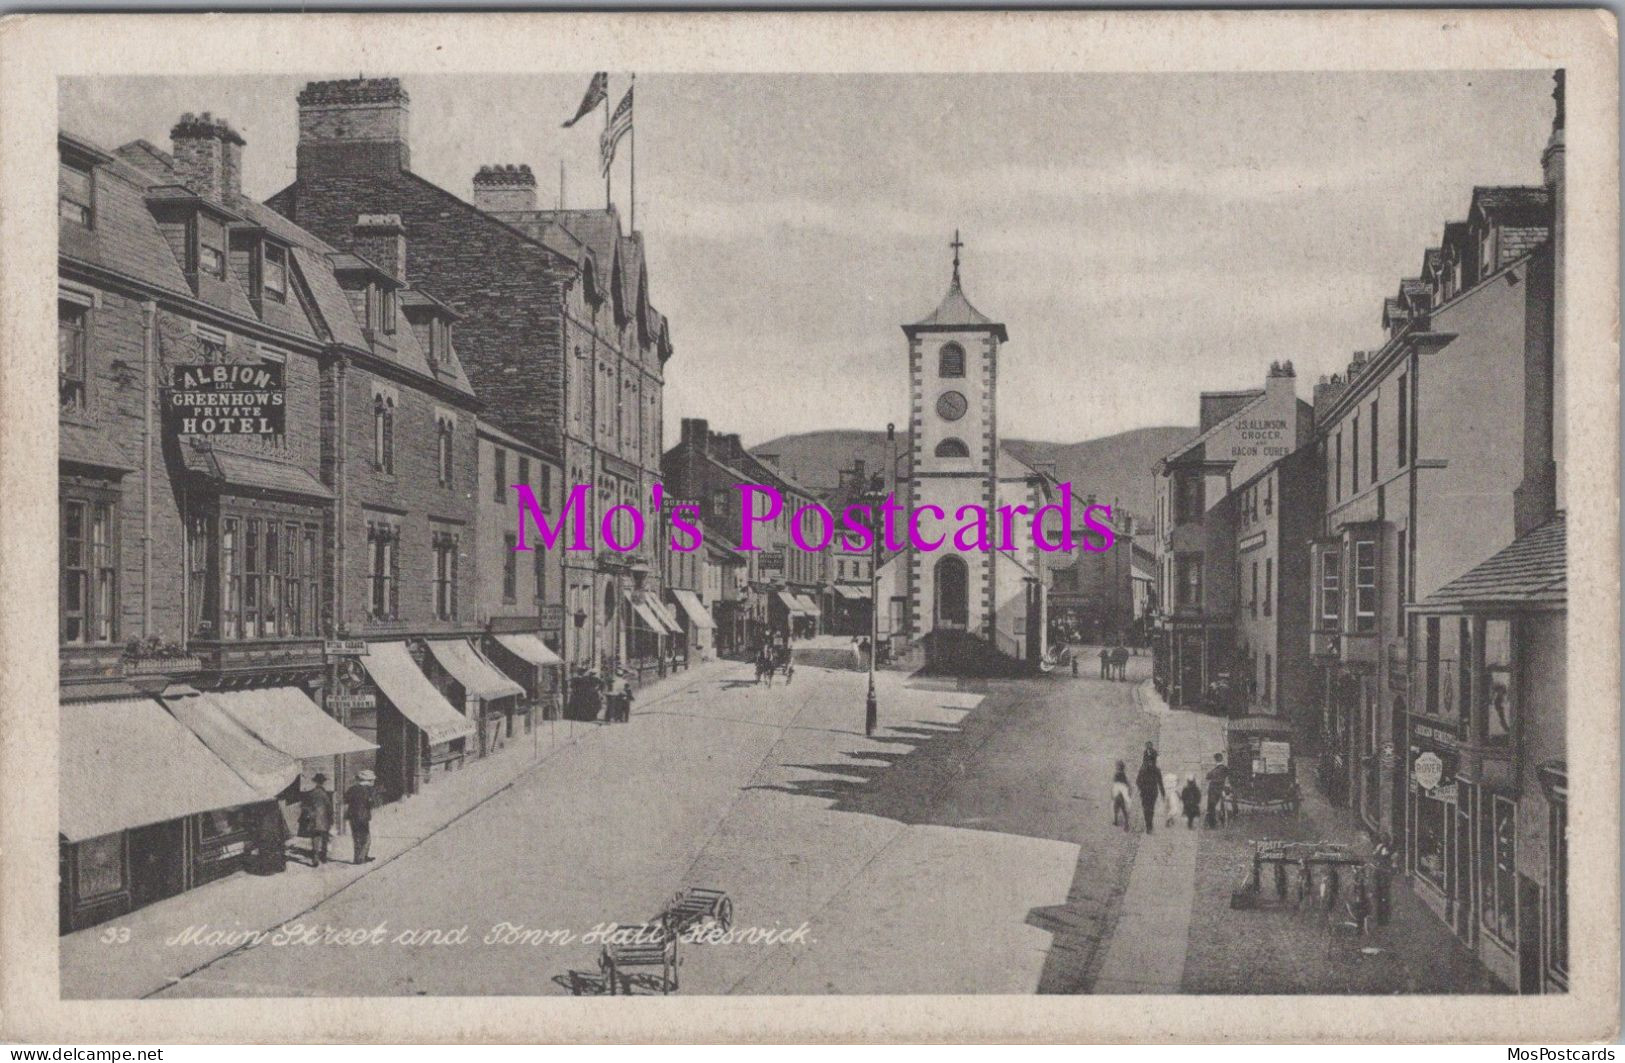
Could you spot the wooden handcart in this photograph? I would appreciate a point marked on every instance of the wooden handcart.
(697, 906)
(639, 945)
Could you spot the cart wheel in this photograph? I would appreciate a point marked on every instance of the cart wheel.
(725, 914)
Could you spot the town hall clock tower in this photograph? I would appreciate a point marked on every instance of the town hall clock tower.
(953, 358)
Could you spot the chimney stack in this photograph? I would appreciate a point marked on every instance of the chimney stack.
(358, 126)
(209, 155)
(505, 188)
(695, 432)
(382, 239)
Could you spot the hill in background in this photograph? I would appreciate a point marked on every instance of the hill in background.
(1113, 467)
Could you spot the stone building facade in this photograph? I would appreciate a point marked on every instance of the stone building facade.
(556, 326)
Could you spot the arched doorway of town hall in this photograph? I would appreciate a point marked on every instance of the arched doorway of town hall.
(952, 593)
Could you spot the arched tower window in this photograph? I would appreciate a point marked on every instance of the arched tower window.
(952, 593)
(951, 360)
(952, 448)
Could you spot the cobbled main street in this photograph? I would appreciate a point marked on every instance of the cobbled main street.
(965, 848)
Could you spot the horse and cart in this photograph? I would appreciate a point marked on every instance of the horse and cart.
(774, 657)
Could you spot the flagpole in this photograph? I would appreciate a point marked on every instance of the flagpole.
(608, 171)
(633, 116)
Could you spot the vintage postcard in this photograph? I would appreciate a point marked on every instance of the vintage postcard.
(837, 527)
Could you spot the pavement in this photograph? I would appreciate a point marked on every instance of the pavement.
(965, 847)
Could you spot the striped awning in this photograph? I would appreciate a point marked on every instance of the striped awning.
(528, 647)
(698, 614)
(266, 770)
(285, 718)
(401, 681)
(809, 606)
(478, 677)
(128, 763)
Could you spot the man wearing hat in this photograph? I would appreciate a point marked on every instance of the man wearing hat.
(358, 812)
(316, 818)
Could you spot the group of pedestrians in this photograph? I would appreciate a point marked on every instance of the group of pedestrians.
(1153, 784)
(316, 816)
(591, 694)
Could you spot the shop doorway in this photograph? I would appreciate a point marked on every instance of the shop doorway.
(157, 862)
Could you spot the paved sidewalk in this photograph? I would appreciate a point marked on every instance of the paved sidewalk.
(223, 914)
(1152, 932)
(1278, 948)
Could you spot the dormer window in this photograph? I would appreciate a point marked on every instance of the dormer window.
(1486, 245)
(211, 248)
(275, 275)
(75, 194)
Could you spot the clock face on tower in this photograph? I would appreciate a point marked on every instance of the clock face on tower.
(951, 406)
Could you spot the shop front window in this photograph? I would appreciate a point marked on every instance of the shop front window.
(99, 866)
(1497, 870)
(1432, 823)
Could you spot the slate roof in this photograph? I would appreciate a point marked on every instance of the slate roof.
(245, 470)
(144, 166)
(1513, 199)
(125, 239)
(85, 445)
(1191, 444)
(956, 312)
(1533, 571)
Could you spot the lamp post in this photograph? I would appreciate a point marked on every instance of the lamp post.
(871, 707)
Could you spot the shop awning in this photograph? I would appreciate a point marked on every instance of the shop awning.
(528, 647)
(849, 592)
(650, 620)
(267, 771)
(667, 617)
(129, 763)
(788, 600)
(696, 610)
(285, 718)
(479, 677)
(401, 681)
(809, 606)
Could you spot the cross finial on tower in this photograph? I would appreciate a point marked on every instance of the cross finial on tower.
(956, 245)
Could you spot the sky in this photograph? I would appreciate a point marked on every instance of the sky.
(1143, 236)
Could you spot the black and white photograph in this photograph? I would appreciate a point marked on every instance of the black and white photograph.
(610, 528)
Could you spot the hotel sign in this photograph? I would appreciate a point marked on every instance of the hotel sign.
(226, 400)
(345, 647)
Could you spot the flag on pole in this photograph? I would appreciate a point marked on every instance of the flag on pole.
(620, 124)
(597, 92)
